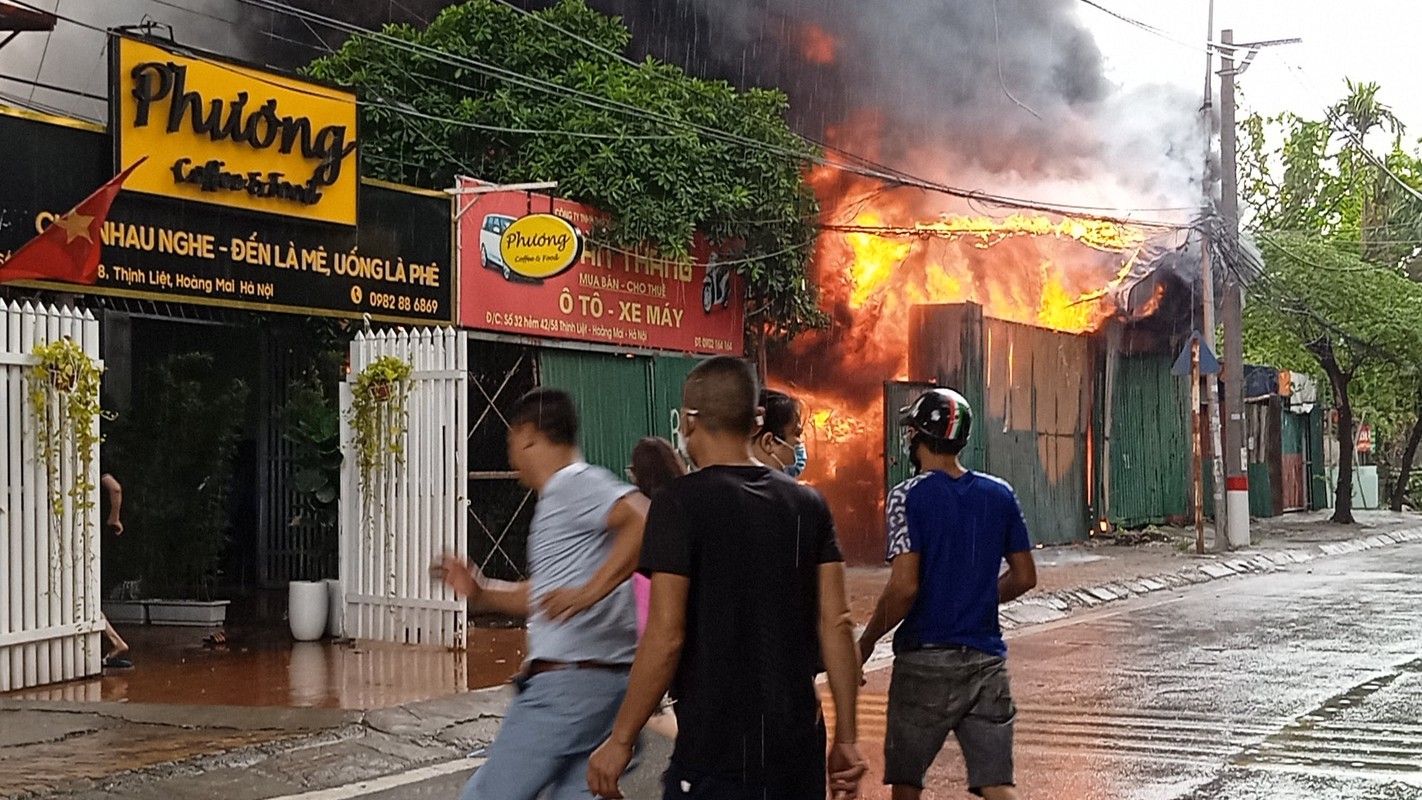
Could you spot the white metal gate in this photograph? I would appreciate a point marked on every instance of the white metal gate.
(50, 623)
(416, 510)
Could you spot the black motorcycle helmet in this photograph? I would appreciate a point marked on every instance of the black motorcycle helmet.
(942, 416)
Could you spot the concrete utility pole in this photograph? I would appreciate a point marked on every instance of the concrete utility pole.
(1235, 436)
(1235, 446)
(1207, 317)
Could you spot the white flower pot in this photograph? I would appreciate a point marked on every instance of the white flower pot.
(336, 610)
(307, 603)
(126, 612)
(194, 613)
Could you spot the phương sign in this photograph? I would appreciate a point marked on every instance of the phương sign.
(222, 133)
(540, 246)
(394, 266)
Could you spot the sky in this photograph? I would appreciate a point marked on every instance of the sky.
(1366, 40)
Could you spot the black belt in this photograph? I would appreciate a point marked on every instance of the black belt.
(540, 666)
(955, 648)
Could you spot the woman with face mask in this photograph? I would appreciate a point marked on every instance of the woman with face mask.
(779, 443)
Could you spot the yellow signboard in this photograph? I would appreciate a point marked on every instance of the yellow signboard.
(540, 246)
(231, 135)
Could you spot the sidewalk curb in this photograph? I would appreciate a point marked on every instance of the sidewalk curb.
(1040, 608)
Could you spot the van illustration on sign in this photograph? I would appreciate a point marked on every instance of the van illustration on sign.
(490, 255)
(535, 247)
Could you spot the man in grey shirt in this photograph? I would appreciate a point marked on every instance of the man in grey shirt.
(583, 544)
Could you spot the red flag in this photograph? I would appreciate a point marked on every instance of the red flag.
(68, 249)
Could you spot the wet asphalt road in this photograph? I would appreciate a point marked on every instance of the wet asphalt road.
(1298, 685)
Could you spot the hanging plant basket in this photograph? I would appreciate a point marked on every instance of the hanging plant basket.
(378, 415)
(381, 390)
(63, 378)
(64, 403)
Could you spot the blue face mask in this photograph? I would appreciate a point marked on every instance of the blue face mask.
(802, 458)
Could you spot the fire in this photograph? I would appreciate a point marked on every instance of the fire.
(817, 45)
(875, 259)
(884, 253)
(878, 251)
(836, 427)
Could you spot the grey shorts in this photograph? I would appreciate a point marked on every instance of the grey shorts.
(960, 690)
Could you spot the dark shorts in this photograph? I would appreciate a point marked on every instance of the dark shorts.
(964, 691)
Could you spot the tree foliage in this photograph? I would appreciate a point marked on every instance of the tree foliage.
(1339, 236)
(1316, 296)
(426, 119)
(1322, 179)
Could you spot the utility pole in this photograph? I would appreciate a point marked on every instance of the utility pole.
(1196, 464)
(1235, 444)
(1235, 449)
(1207, 317)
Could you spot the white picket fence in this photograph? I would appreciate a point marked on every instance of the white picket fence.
(50, 623)
(417, 508)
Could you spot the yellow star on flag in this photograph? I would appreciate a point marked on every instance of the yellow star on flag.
(74, 226)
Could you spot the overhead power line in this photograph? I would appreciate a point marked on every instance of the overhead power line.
(799, 156)
(1145, 26)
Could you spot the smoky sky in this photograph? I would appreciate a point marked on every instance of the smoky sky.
(995, 93)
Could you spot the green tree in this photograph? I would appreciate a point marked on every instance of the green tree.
(1317, 303)
(1322, 198)
(427, 118)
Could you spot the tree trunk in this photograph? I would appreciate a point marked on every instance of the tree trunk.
(1404, 472)
(1343, 495)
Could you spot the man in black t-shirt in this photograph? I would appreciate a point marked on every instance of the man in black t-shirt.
(747, 596)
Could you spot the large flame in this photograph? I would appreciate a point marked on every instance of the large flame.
(878, 252)
(881, 255)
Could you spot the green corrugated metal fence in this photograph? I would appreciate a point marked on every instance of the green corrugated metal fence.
(620, 399)
(1261, 491)
(1150, 443)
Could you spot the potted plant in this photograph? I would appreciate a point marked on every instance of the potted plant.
(379, 419)
(175, 452)
(312, 428)
(63, 392)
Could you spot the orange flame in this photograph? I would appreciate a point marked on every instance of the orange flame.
(887, 252)
(817, 46)
(875, 257)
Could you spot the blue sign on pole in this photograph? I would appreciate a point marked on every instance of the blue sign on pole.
(1209, 365)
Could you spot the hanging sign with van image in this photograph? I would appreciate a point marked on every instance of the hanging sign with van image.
(526, 267)
(533, 247)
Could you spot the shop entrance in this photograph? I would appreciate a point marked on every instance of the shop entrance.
(215, 422)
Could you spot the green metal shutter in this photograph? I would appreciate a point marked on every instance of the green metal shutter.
(612, 394)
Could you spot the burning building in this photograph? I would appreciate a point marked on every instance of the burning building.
(1060, 329)
(1031, 317)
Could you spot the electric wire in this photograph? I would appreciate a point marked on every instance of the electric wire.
(1151, 29)
(594, 101)
(1065, 210)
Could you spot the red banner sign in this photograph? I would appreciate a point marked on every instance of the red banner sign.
(611, 296)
